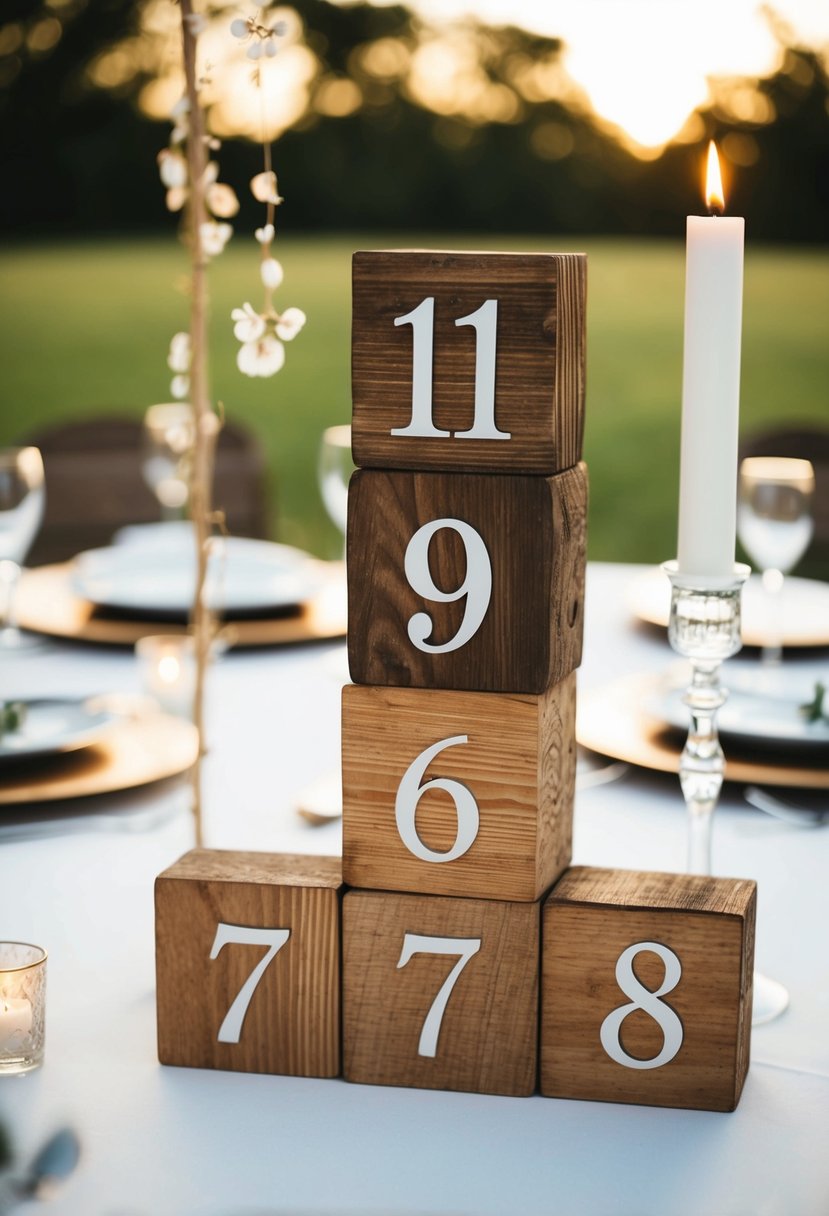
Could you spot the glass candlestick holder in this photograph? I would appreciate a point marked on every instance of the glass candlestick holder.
(704, 627)
(22, 1007)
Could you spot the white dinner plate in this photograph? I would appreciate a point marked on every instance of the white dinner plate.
(55, 725)
(761, 708)
(805, 608)
(243, 576)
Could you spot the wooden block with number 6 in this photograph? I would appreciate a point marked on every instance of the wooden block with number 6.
(248, 963)
(468, 361)
(646, 988)
(458, 793)
(466, 581)
(440, 993)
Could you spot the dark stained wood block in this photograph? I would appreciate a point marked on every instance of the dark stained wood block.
(517, 542)
(248, 963)
(499, 823)
(440, 993)
(647, 987)
(532, 373)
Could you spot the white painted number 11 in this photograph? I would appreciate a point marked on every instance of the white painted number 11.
(422, 320)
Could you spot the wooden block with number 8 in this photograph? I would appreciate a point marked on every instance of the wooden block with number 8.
(458, 793)
(248, 963)
(440, 993)
(468, 582)
(646, 988)
(468, 361)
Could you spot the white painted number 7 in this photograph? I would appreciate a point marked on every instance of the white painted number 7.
(240, 935)
(464, 947)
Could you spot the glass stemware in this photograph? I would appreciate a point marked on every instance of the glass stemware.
(334, 469)
(166, 448)
(22, 501)
(774, 524)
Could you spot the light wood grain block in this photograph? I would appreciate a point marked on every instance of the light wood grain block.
(290, 906)
(393, 1032)
(539, 357)
(526, 535)
(501, 827)
(696, 986)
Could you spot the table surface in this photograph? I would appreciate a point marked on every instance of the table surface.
(180, 1142)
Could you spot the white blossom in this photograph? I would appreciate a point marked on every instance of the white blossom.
(272, 273)
(178, 360)
(197, 23)
(176, 198)
(214, 237)
(261, 358)
(290, 323)
(265, 235)
(264, 189)
(250, 326)
(172, 168)
(221, 200)
(239, 28)
(180, 387)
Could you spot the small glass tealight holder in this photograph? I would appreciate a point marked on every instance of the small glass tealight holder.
(22, 1007)
(167, 665)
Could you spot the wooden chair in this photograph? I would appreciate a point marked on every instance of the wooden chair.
(805, 443)
(94, 484)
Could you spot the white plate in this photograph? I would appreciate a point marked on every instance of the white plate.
(805, 608)
(243, 576)
(761, 708)
(54, 725)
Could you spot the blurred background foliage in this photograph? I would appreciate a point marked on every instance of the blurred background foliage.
(386, 123)
(391, 132)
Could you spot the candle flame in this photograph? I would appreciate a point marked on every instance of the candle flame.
(714, 196)
(169, 669)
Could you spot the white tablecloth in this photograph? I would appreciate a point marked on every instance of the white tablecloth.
(178, 1142)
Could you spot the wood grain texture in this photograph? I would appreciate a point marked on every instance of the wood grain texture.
(589, 919)
(488, 1036)
(534, 532)
(539, 377)
(292, 1025)
(518, 763)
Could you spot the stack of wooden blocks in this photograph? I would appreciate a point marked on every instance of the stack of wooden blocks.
(455, 949)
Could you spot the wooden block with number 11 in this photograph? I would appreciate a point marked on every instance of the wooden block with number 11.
(248, 963)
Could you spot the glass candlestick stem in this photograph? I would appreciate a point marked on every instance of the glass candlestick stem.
(704, 628)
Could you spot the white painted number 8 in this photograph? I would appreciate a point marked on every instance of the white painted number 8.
(647, 1000)
(476, 586)
(409, 793)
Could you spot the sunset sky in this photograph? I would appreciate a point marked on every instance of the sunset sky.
(645, 63)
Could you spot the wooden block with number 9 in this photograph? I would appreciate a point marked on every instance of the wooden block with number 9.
(440, 993)
(646, 988)
(471, 582)
(248, 963)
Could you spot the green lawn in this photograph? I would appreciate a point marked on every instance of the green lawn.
(85, 327)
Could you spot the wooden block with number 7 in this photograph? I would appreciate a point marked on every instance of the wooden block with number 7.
(646, 988)
(440, 993)
(248, 963)
(471, 581)
(458, 793)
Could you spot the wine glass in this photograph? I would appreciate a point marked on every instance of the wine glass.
(22, 500)
(334, 469)
(167, 444)
(774, 524)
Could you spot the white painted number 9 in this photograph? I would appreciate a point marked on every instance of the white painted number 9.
(409, 793)
(476, 586)
(649, 1001)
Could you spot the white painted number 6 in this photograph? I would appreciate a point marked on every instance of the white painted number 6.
(409, 793)
(230, 1030)
(643, 998)
(476, 586)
